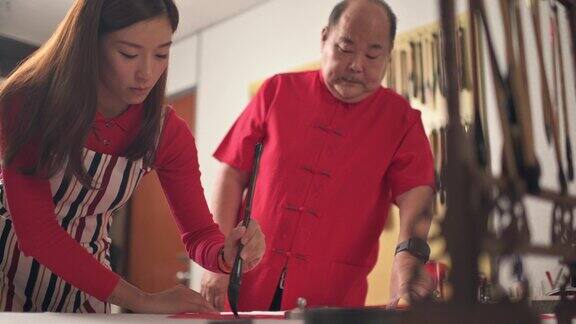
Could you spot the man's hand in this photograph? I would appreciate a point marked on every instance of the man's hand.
(214, 288)
(401, 286)
(415, 218)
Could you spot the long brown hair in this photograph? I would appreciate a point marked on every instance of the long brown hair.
(56, 88)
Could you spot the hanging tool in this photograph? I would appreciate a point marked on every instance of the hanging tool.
(547, 104)
(571, 17)
(390, 79)
(435, 145)
(414, 69)
(558, 51)
(421, 73)
(428, 70)
(441, 71)
(443, 165)
(465, 74)
(435, 59)
(482, 150)
(477, 7)
(555, 88)
(529, 166)
(404, 74)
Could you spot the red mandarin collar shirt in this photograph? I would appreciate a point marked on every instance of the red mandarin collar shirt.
(328, 173)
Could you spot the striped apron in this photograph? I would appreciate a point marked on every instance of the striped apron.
(85, 214)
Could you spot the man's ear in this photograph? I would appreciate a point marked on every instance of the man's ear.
(325, 32)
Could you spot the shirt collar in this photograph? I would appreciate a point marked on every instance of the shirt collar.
(124, 121)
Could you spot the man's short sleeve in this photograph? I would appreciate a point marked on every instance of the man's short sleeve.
(412, 165)
(237, 148)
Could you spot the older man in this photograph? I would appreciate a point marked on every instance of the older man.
(338, 149)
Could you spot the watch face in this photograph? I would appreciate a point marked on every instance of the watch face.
(415, 246)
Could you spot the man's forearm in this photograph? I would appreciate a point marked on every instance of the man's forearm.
(415, 220)
(415, 213)
(227, 199)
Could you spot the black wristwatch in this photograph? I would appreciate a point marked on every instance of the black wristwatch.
(415, 246)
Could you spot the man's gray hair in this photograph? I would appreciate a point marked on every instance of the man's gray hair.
(339, 9)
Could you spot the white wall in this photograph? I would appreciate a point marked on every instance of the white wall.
(183, 67)
(281, 35)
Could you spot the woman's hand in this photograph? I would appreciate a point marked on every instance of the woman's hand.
(179, 299)
(254, 245)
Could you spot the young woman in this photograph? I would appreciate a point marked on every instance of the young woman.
(82, 120)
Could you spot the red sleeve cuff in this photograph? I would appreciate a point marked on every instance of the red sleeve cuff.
(407, 186)
(221, 156)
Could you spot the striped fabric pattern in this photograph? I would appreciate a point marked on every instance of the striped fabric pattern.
(85, 214)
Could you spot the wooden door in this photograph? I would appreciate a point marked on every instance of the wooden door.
(156, 253)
